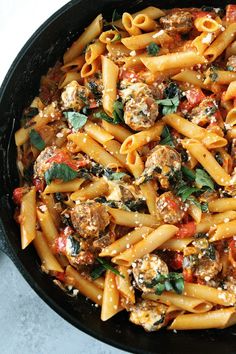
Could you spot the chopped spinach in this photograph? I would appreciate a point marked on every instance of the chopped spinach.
(104, 116)
(203, 179)
(97, 272)
(135, 205)
(107, 266)
(153, 49)
(94, 89)
(60, 171)
(167, 138)
(170, 282)
(36, 140)
(210, 252)
(169, 105)
(74, 246)
(118, 113)
(171, 90)
(76, 119)
(188, 173)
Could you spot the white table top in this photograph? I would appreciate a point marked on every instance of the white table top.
(27, 324)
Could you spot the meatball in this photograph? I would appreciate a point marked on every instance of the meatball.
(41, 164)
(148, 314)
(204, 113)
(89, 219)
(178, 21)
(170, 208)
(140, 107)
(231, 63)
(95, 85)
(145, 271)
(79, 251)
(207, 268)
(162, 162)
(74, 96)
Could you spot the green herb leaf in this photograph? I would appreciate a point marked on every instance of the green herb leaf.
(76, 119)
(60, 171)
(36, 140)
(213, 75)
(210, 252)
(185, 191)
(188, 173)
(203, 179)
(170, 105)
(204, 207)
(171, 90)
(153, 49)
(167, 138)
(118, 113)
(97, 272)
(162, 282)
(107, 266)
(74, 246)
(115, 16)
(115, 176)
(104, 116)
(135, 205)
(116, 38)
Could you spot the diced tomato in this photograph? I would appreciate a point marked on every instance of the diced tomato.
(39, 184)
(59, 245)
(230, 13)
(197, 14)
(186, 230)
(195, 96)
(177, 261)
(172, 203)
(18, 195)
(188, 275)
(93, 104)
(63, 157)
(232, 247)
(127, 74)
(60, 276)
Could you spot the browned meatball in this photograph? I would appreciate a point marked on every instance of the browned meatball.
(170, 208)
(89, 219)
(178, 21)
(74, 96)
(41, 164)
(148, 314)
(95, 85)
(146, 269)
(140, 107)
(231, 63)
(162, 162)
(204, 113)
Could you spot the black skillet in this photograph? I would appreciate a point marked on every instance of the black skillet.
(42, 50)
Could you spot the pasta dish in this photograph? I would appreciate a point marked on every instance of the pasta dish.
(128, 169)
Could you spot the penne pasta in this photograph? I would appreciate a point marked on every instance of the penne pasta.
(93, 190)
(97, 133)
(28, 218)
(133, 219)
(62, 187)
(110, 301)
(211, 220)
(109, 78)
(141, 41)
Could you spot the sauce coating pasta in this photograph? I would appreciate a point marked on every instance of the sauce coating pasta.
(128, 169)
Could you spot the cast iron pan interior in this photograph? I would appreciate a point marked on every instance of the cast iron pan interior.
(21, 84)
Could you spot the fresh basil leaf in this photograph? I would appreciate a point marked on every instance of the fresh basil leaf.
(185, 191)
(74, 246)
(204, 207)
(115, 176)
(203, 179)
(170, 105)
(60, 171)
(118, 113)
(153, 49)
(179, 285)
(107, 266)
(167, 138)
(97, 272)
(159, 288)
(162, 282)
(76, 119)
(188, 173)
(104, 116)
(36, 140)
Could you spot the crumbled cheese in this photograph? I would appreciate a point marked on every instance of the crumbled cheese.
(59, 135)
(43, 208)
(158, 34)
(133, 53)
(207, 39)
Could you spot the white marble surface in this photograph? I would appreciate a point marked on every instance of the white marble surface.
(27, 324)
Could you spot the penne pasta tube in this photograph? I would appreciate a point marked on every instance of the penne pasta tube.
(94, 150)
(209, 220)
(45, 254)
(183, 302)
(86, 287)
(90, 69)
(74, 65)
(47, 225)
(206, 24)
(63, 187)
(143, 40)
(110, 73)
(221, 43)
(133, 219)
(129, 26)
(191, 130)
(90, 33)
(204, 157)
(173, 61)
(93, 190)
(230, 50)
(50, 204)
(151, 11)
(150, 195)
(195, 212)
(110, 301)
(124, 285)
(224, 230)
(147, 245)
(135, 163)
(231, 117)
(126, 241)
(204, 40)
(176, 244)
(120, 133)
(97, 133)
(28, 218)
(113, 147)
(222, 318)
(191, 76)
(134, 141)
(68, 77)
(231, 90)
(99, 282)
(109, 36)
(144, 22)
(93, 51)
(207, 293)
(222, 204)
(220, 77)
